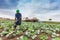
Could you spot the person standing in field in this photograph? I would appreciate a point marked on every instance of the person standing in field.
(18, 18)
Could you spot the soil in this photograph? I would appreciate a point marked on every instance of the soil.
(1, 29)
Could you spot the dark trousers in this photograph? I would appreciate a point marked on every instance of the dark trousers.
(17, 23)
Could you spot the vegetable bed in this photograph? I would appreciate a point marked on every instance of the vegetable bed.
(29, 31)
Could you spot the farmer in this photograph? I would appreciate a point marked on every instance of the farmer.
(18, 18)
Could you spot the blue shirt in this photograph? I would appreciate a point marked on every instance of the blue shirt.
(18, 16)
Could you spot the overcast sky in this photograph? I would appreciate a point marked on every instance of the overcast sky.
(42, 9)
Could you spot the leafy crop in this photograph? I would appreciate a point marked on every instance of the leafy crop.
(43, 37)
(31, 29)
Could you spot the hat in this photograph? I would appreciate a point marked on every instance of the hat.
(17, 11)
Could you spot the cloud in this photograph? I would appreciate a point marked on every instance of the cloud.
(39, 6)
(8, 3)
(42, 9)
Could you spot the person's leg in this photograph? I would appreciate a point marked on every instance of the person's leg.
(15, 30)
(15, 26)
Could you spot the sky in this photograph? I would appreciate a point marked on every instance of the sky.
(42, 9)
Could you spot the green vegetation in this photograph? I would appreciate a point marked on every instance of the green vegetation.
(43, 37)
(57, 38)
(31, 29)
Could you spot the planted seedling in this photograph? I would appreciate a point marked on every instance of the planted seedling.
(31, 29)
(43, 37)
(33, 37)
(19, 32)
(49, 31)
(54, 35)
(24, 38)
(56, 38)
(37, 31)
(4, 32)
(27, 33)
(9, 34)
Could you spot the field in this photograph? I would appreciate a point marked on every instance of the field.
(29, 31)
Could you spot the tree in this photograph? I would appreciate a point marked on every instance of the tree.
(26, 18)
(50, 19)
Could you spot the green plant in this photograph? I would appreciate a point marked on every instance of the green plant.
(43, 37)
(4, 33)
(18, 32)
(24, 38)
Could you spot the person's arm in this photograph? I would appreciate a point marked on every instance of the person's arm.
(20, 16)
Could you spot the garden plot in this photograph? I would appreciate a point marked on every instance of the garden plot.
(29, 31)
